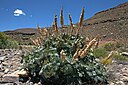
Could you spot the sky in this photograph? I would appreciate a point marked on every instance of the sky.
(15, 14)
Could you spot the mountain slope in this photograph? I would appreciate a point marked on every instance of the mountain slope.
(23, 35)
(112, 23)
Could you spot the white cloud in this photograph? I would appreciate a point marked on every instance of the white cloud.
(18, 12)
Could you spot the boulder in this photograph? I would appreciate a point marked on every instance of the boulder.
(2, 58)
(124, 54)
(11, 78)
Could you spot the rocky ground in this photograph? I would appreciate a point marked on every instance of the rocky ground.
(118, 73)
(10, 65)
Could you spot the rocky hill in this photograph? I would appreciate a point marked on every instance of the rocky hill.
(23, 35)
(112, 23)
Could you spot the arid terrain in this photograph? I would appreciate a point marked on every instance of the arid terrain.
(10, 65)
(111, 25)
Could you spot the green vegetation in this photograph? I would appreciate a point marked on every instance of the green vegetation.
(120, 57)
(7, 42)
(64, 58)
(109, 46)
(48, 63)
(25, 43)
(100, 52)
(104, 50)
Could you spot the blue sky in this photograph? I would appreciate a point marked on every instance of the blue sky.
(16, 14)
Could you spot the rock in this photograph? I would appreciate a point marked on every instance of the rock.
(36, 84)
(5, 64)
(18, 68)
(9, 78)
(18, 53)
(31, 83)
(21, 72)
(1, 74)
(117, 75)
(120, 65)
(6, 71)
(125, 74)
(15, 72)
(125, 70)
(124, 54)
(124, 78)
(98, 60)
(39, 83)
(111, 83)
(120, 83)
(1, 66)
(2, 58)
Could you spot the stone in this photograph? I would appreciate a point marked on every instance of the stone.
(18, 53)
(1, 66)
(124, 54)
(117, 75)
(36, 84)
(15, 72)
(125, 74)
(11, 78)
(98, 60)
(5, 64)
(39, 83)
(1, 74)
(111, 83)
(2, 58)
(21, 72)
(120, 65)
(6, 71)
(120, 83)
(124, 78)
(31, 83)
(125, 70)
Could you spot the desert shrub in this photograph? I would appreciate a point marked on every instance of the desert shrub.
(120, 57)
(25, 43)
(100, 52)
(63, 58)
(45, 63)
(7, 42)
(110, 46)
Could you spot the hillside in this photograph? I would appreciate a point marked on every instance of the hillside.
(112, 23)
(22, 35)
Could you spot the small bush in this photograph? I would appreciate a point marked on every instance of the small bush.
(100, 52)
(120, 57)
(7, 42)
(110, 46)
(64, 58)
(45, 63)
